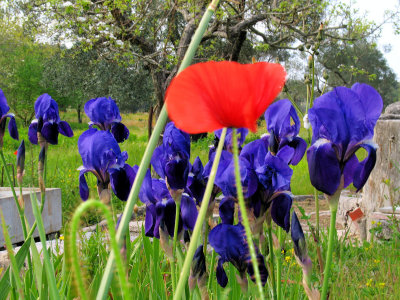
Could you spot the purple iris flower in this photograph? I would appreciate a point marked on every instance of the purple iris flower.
(229, 241)
(160, 208)
(241, 137)
(102, 156)
(171, 159)
(274, 176)
(226, 178)
(47, 121)
(343, 121)
(196, 180)
(104, 113)
(12, 125)
(283, 124)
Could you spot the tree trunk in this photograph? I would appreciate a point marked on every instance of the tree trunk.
(79, 113)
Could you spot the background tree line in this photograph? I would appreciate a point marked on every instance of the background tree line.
(130, 50)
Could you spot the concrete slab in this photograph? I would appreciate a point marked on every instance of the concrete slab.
(52, 218)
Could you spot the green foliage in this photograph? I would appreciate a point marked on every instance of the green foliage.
(22, 64)
(360, 61)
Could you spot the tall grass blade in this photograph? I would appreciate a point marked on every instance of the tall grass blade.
(20, 257)
(51, 280)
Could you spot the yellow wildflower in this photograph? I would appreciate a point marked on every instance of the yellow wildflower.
(288, 258)
(381, 284)
(369, 282)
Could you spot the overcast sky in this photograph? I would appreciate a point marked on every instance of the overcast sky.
(375, 12)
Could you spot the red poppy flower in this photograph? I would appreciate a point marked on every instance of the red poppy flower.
(212, 95)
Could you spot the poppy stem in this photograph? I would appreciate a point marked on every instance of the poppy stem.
(331, 242)
(144, 164)
(173, 262)
(243, 212)
(200, 220)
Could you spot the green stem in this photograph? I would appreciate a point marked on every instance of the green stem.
(316, 198)
(211, 270)
(271, 259)
(51, 280)
(114, 245)
(200, 220)
(173, 262)
(312, 81)
(162, 119)
(243, 211)
(20, 210)
(13, 261)
(206, 231)
(294, 104)
(279, 266)
(328, 261)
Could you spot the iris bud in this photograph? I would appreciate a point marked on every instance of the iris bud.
(20, 162)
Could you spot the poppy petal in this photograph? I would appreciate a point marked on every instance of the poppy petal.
(206, 96)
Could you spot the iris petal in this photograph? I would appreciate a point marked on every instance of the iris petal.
(50, 132)
(365, 167)
(121, 181)
(32, 133)
(83, 186)
(12, 127)
(188, 212)
(323, 166)
(150, 220)
(282, 119)
(120, 132)
(299, 145)
(65, 129)
(222, 279)
(206, 96)
(158, 161)
(227, 210)
(280, 210)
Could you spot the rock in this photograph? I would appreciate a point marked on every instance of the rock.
(393, 108)
(381, 189)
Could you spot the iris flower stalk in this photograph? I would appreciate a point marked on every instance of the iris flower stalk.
(108, 272)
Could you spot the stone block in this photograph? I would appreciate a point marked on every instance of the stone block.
(52, 212)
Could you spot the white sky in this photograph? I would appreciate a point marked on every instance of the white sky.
(374, 11)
